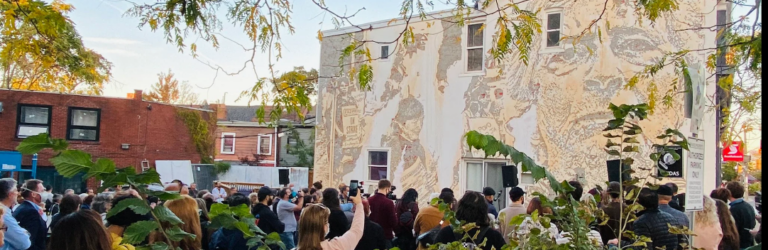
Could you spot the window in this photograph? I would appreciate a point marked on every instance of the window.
(265, 144)
(83, 124)
(475, 47)
(385, 52)
(292, 144)
(378, 165)
(33, 120)
(553, 30)
(228, 143)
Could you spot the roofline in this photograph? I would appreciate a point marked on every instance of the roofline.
(438, 14)
(109, 97)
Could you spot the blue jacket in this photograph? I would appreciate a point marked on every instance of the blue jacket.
(16, 238)
(492, 210)
(28, 216)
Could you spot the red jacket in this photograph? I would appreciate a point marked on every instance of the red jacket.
(383, 213)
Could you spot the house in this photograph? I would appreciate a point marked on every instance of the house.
(297, 143)
(130, 131)
(428, 93)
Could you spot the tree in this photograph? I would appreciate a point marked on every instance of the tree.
(303, 150)
(41, 50)
(168, 90)
(291, 91)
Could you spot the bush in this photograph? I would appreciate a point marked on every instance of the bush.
(754, 187)
(221, 167)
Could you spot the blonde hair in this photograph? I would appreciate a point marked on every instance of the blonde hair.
(708, 215)
(312, 226)
(186, 209)
(254, 197)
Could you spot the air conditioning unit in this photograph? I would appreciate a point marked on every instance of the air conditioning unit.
(144, 165)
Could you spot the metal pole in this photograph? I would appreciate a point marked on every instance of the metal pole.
(34, 166)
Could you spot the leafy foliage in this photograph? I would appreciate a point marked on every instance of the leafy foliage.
(221, 167)
(303, 150)
(168, 90)
(201, 132)
(291, 93)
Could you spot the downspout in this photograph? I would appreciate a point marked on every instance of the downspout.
(277, 137)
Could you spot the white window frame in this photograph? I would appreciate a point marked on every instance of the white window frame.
(368, 165)
(545, 35)
(234, 139)
(465, 49)
(258, 149)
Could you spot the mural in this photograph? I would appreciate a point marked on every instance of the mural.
(422, 100)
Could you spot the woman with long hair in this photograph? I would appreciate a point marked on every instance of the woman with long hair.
(406, 210)
(81, 230)
(721, 194)
(338, 220)
(730, 239)
(186, 209)
(707, 227)
(314, 225)
(69, 204)
(473, 208)
(528, 224)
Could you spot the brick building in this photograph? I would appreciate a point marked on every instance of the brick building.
(130, 131)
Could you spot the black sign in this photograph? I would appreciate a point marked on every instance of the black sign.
(671, 168)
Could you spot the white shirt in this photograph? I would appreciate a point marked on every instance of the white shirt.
(219, 194)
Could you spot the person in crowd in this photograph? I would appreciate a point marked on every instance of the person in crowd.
(314, 225)
(613, 209)
(231, 239)
(284, 210)
(15, 236)
(202, 193)
(193, 190)
(383, 210)
(665, 194)
(343, 193)
(406, 209)
(455, 201)
(490, 194)
(208, 198)
(517, 207)
(578, 190)
(56, 203)
(653, 223)
(721, 194)
(186, 209)
(528, 224)
(90, 192)
(473, 208)
(69, 191)
(318, 185)
(675, 202)
(120, 221)
(81, 230)
(730, 240)
(69, 204)
(205, 221)
(47, 197)
(429, 220)
(101, 204)
(219, 192)
(743, 213)
(373, 234)
(337, 221)
(30, 215)
(708, 231)
(266, 219)
(2, 232)
(681, 200)
(87, 202)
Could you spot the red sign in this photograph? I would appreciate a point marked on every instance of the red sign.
(734, 152)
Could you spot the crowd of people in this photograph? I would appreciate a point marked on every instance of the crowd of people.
(330, 218)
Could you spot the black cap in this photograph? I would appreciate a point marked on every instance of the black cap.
(614, 187)
(488, 191)
(265, 191)
(664, 190)
(516, 192)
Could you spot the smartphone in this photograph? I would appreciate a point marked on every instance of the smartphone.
(353, 186)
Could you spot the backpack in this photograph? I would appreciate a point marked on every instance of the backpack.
(406, 218)
(471, 245)
(428, 238)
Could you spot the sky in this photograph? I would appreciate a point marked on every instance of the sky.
(138, 54)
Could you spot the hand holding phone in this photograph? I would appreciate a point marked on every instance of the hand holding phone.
(353, 188)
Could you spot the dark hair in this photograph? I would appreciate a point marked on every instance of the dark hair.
(673, 186)
(29, 186)
(6, 185)
(82, 230)
(727, 225)
(515, 196)
(57, 198)
(99, 203)
(720, 194)
(312, 191)
(384, 184)
(536, 204)
(88, 200)
(69, 204)
(409, 196)
(202, 193)
(208, 202)
(446, 190)
(48, 188)
(473, 209)
(263, 196)
(331, 199)
(318, 185)
(238, 199)
(736, 188)
(447, 197)
(283, 192)
(577, 191)
(126, 217)
(648, 198)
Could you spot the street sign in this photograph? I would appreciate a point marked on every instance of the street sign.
(734, 152)
(10, 160)
(694, 190)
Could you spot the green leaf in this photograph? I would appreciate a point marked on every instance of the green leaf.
(629, 149)
(159, 246)
(614, 124)
(256, 240)
(631, 140)
(176, 234)
(71, 162)
(149, 176)
(164, 195)
(164, 214)
(138, 206)
(517, 220)
(101, 166)
(243, 227)
(138, 231)
(613, 152)
(274, 239)
(36, 143)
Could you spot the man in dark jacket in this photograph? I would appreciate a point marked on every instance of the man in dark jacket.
(653, 224)
(675, 203)
(383, 210)
(490, 194)
(743, 214)
(265, 218)
(373, 234)
(230, 239)
(613, 210)
(30, 215)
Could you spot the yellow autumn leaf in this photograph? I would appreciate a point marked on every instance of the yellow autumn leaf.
(320, 35)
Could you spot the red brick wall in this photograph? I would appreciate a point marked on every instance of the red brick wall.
(156, 134)
(246, 143)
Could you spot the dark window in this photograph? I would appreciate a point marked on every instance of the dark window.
(475, 47)
(292, 144)
(33, 120)
(378, 165)
(553, 30)
(384, 52)
(83, 124)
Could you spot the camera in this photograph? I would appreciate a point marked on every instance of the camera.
(391, 195)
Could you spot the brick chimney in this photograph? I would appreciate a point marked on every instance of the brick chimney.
(137, 94)
(221, 111)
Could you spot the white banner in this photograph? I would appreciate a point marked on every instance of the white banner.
(694, 196)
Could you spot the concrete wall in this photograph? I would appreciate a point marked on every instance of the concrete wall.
(423, 101)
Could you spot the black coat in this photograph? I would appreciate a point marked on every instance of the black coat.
(495, 239)
(30, 219)
(373, 237)
(268, 220)
(653, 224)
(744, 216)
(338, 224)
